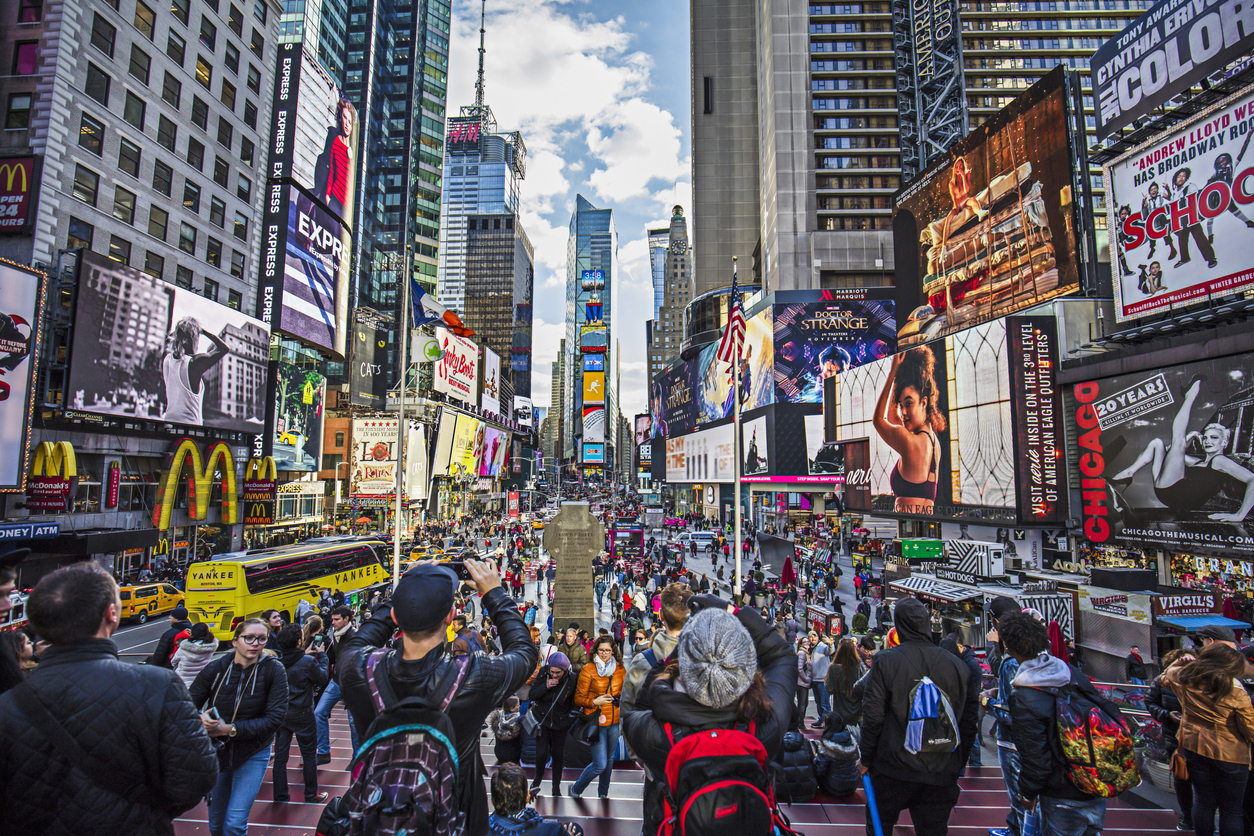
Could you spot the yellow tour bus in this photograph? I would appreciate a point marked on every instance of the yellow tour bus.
(232, 587)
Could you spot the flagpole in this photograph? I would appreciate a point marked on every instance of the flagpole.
(736, 440)
(403, 364)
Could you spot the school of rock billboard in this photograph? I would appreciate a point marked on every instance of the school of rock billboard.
(1165, 457)
(988, 229)
(1182, 212)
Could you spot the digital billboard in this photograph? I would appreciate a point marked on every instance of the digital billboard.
(1182, 212)
(712, 379)
(467, 445)
(490, 400)
(298, 406)
(523, 412)
(21, 307)
(594, 423)
(444, 443)
(368, 357)
(495, 443)
(938, 421)
(417, 474)
(1165, 456)
(988, 229)
(815, 340)
(457, 370)
(142, 348)
(672, 406)
(374, 455)
(1163, 53)
(594, 454)
(704, 456)
(1036, 398)
(593, 337)
(643, 429)
(594, 387)
(18, 185)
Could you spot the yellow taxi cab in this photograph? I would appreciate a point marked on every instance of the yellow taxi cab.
(537, 524)
(149, 600)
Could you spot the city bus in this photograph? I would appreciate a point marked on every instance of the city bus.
(232, 587)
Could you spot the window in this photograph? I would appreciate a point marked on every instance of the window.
(228, 94)
(145, 19)
(235, 19)
(172, 90)
(187, 238)
(234, 300)
(221, 172)
(204, 72)
(250, 114)
(19, 112)
(200, 113)
(183, 276)
(91, 135)
(254, 79)
(226, 132)
(232, 57)
(259, 10)
(98, 82)
(246, 150)
(244, 188)
(176, 47)
(119, 249)
(30, 11)
(259, 44)
(195, 154)
(141, 63)
(241, 226)
(25, 57)
(128, 158)
(154, 265)
(167, 133)
(191, 196)
(213, 252)
(86, 184)
(158, 222)
(339, 439)
(237, 264)
(103, 34)
(123, 205)
(80, 234)
(211, 290)
(217, 212)
(134, 110)
(162, 177)
(181, 9)
(208, 33)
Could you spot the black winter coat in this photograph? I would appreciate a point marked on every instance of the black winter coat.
(1043, 770)
(260, 692)
(488, 681)
(553, 706)
(645, 728)
(137, 719)
(1161, 702)
(836, 763)
(886, 702)
(795, 782)
(165, 645)
(305, 675)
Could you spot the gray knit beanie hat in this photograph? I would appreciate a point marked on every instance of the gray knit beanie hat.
(716, 658)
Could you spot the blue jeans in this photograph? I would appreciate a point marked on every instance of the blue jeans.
(1217, 785)
(602, 761)
(820, 699)
(1065, 817)
(1009, 760)
(232, 797)
(322, 714)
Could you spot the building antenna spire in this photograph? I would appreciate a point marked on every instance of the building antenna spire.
(483, 15)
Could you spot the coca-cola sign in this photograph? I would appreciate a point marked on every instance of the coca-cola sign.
(457, 370)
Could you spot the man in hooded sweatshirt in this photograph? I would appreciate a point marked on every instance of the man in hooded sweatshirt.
(1043, 783)
(926, 782)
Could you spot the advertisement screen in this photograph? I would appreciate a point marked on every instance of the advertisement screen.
(755, 447)
(594, 362)
(643, 429)
(594, 387)
(367, 381)
(315, 275)
(146, 349)
(1163, 53)
(938, 421)
(17, 185)
(523, 411)
(988, 229)
(593, 337)
(374, 455)
(713, 386)
(467, 445)
(818, 340)
(1166, 456)
(457, 370)
(417, 477)
(21, 304)
(671, 404)
(1041, 478)
(494, 445)
(491, 398)
(703, 456)
(444, 443)
(594, 423)
(298, 416)
(1181, 210)
(594, 454)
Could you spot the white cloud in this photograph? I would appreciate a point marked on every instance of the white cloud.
(545, 339)
(638, 142)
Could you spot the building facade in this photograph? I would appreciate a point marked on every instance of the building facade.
(667, 333)
(500, 275)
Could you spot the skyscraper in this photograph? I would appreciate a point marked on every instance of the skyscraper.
(659, 243)
(677, 291)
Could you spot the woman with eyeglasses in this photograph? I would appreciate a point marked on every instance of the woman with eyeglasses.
(242, 699)
(599, 689)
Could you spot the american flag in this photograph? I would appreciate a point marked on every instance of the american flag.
(734, 334)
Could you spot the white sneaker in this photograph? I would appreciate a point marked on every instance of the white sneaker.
(573, 793)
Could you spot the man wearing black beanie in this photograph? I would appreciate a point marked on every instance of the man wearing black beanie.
(422, 607)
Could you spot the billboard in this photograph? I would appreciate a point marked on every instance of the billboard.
(672, 407)
(594, 423)
(523, 412)
(1163, 53)
(1190, 189)
(17, 189)
(444, 443)
(21, 308)
(713, 387)
(457, 370)
(467, 444)
(704, 456)
(142, 348)
(490, 401)
(594, 454)
(594, 387)
(374, 455)
(417, 474)
(1165, 456)
(1036, 398)
(495, 445)
(643, 429)
(593, 337)
(988, 229)
(368, 357)
(594, 362)
(938, 421)
(298, 404)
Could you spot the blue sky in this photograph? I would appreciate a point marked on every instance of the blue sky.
(600, 90)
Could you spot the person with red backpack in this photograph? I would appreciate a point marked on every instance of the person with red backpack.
(719, 706)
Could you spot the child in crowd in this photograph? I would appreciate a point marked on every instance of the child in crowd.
(512, 816)
(506, 725)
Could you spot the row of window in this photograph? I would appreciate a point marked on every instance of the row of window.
(851, 65)
(1044, 24)
(839, 142)
(839, 123)
(858, 162)
(1053, 5)
(851, 9)
(857, 103)
(886, 82)
(855, 223)
(1085, 44)
(886, 181)
(851, 27)
(852, 46)
(885, 202)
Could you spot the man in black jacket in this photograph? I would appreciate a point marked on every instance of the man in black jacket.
(165, 645)
(339, 635)
(422, 606)
(139, 752)
(974, 681)
(925, 783)
(1043, 781)
(1137, 670)
(306, 672)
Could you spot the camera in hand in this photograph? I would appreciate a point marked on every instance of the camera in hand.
(459, 568)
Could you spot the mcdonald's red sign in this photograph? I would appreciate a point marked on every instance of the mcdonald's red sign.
(17, 183)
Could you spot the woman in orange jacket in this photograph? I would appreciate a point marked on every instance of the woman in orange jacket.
(600, 686)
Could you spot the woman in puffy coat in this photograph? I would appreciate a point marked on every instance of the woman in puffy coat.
(731, 669)
(552, 699)
(600, 687)
(796, 783)
(1165, 708)
(805, 676)
(194, 653)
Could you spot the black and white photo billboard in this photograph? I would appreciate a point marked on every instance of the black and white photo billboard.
(21, 306)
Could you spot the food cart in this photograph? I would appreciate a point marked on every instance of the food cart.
(824, 622)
